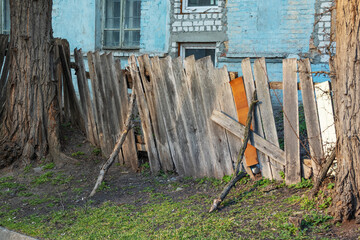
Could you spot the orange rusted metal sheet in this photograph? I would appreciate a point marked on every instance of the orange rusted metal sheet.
(242, 107)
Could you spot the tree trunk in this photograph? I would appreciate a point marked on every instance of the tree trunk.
(29, 121)
(346, 88)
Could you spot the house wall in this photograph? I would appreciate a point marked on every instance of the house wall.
(74, 20)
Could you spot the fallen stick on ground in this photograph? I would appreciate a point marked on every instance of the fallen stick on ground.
(118, 145)
(237, 174)
(322, 174)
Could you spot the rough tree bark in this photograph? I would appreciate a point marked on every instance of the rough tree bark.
(346, 88)
(29, 121)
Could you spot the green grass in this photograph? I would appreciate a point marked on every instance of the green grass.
(248, 213)
(77, 154)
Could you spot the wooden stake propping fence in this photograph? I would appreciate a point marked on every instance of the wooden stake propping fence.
(119, 143)
(237, 174)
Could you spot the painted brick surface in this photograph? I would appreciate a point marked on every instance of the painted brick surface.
(273, 28)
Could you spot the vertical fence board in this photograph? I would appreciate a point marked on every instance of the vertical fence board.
(216, 136)
(97, 99)
(264, 161)
(129, 151)
(85, 98)
(187, 114)
(74, 108)
(145, 117)
(195, 90)
(226, 101)
(291, 122)
(152, 94)
(326, 117)
(266, 111)
(311, 114)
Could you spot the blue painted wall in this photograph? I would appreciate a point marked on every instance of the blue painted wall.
(269, 28)
(155, 16)
(74, 20)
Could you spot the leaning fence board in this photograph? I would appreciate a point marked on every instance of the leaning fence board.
(129, 152)
(98, 103)
(266, 110)
(85, 98)
(326, 117)
(264, 161)
(152, 94)
(75, 108)
(291, 122)
(311, 115)
(145, 117)
(195, 89)
(216, 136)
(225, 99)
(258, 142)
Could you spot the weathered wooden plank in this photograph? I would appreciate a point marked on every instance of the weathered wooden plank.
(76, 113)
(258, 142)
(266, 110)
(291, 122)
(326, 117)
(279, 85)
(211, 100)
(85, 99)
(4, 42)
(104, 103)
(195, 94)
(166, 83)
(225, 100)
(311, 115)
(4, 77)
(153, 98)
(97, 100)
(145, 117)
(264, 161)
(187, 113)
(110, 107)
(129, 150)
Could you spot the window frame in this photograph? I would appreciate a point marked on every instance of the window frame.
(184, 46)
(200, 9)
(121, 29)
(2, 19)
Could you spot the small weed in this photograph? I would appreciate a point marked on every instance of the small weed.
(263, 183)
(25, 194)
(78, 153)
(79, 145)
(308, 204)
(96, 151)
(78, 190)
(49, 166)
(103, 186)
(330, 186)
(46, 177)
(305, 183)
(61, 179)
(315, 218)
(27, 168)
(145, 167)
(227, 178)
(282, 175)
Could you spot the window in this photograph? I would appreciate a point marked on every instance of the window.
(122, 24)
(199, 50)
(5, 17)
(200, 6)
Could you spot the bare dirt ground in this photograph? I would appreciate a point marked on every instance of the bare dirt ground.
(45, 187)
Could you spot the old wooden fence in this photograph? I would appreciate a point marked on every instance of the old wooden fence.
(179, 103)
(188, 114)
